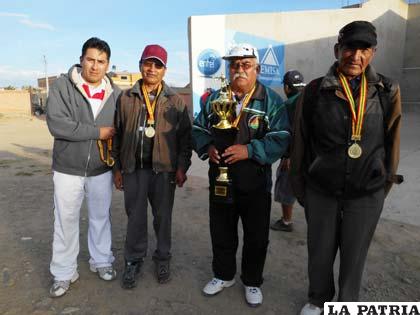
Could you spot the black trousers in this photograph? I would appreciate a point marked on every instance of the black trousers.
(159, 189)
(254, 210)
(335, 224)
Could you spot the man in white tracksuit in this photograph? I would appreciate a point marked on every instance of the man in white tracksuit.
(80, 111)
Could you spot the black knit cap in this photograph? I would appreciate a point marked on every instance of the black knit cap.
(358, 32)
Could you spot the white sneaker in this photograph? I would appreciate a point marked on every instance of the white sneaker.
(215, 285)
(253, 296)
(107, 273)
(60, 287)
(310, 309)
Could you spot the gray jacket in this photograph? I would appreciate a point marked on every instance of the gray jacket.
(75, 130)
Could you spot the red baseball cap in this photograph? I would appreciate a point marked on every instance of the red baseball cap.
(156, 52)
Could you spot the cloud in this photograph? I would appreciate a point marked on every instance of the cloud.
(18, 15)
(32, 24)
(17, 77)
(26, 20)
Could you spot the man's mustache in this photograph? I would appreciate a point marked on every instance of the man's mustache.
(240, 75)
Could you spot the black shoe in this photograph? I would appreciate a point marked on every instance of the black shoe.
(163, 272)
(279, 225)
(131, 274)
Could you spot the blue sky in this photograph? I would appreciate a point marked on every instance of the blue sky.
(58, 28)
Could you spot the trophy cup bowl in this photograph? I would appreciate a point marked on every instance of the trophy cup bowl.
(224, 134)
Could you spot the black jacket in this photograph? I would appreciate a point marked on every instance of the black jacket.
(322, 135)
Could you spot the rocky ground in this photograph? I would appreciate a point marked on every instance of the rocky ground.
(392, 272)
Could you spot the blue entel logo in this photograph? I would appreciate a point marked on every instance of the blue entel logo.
(209, 62)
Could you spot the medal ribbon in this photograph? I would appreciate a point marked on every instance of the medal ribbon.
(150, 107)
(357, 121)
(244, 105)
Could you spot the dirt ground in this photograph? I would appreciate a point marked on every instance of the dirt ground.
(26, 225)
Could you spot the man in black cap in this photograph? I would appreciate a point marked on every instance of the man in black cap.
(345, 153)
(293, 84)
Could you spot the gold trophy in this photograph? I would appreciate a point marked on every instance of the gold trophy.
(224, 135)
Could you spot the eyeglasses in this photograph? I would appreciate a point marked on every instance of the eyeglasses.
(238, 65)
(150, 64)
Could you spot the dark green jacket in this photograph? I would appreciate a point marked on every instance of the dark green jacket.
(266, 143)
(264, 128)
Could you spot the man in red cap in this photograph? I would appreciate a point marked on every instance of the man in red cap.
(152, 152)
(345, 152)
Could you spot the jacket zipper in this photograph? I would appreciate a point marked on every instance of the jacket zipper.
(90, 142)
(156, 140)
(142, 135)
(88, 158)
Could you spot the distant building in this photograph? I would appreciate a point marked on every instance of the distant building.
(51, 79)
(185, 93)
(125, 79)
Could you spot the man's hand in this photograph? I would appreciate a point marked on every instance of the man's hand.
(235, 153)
(213, 154)
(106, 132)
(118, 180)
(285, 165)
(180, 177)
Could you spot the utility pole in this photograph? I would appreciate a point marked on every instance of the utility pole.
(46, 74)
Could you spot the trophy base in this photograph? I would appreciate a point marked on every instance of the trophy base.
(223, 192)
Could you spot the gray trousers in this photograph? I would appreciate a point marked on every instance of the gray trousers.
(347, 225)
(158, 188)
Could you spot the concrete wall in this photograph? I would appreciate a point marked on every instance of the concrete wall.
(309, 36)
(15, 103)
(410, 82)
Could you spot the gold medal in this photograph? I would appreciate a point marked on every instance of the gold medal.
(354, 151)
(149, 132)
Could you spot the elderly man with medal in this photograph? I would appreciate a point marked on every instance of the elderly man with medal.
(345, 154)
(242, 128)
(152, 153)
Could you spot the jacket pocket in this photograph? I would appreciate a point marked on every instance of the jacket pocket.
(375, 175)
(327, 171)
(60, 147)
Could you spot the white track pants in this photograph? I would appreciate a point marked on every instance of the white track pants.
(69, 191)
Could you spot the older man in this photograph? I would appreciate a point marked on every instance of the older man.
(80, 111)
(344, 160)
(153, 153)
(263, 136)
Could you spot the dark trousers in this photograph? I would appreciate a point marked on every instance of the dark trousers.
(347, 225)
(158, 188)
(254, 210)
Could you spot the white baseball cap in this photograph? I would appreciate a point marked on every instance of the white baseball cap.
(243, 50)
